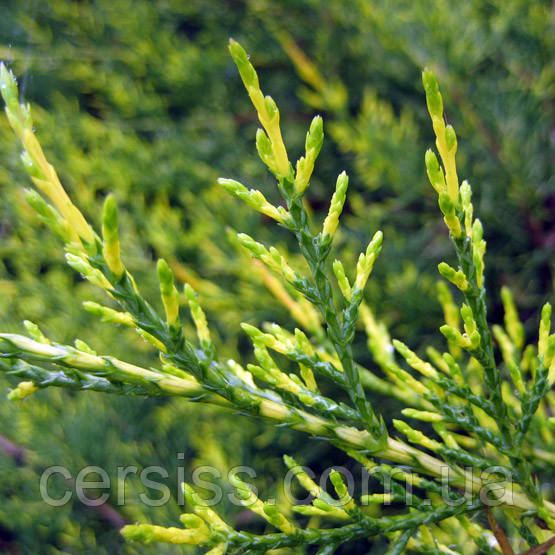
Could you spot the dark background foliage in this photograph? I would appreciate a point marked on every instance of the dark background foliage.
(141, 99)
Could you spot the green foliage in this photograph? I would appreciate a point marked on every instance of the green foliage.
(141, 101)
(496, 86)
(157, 138)
(499, 414)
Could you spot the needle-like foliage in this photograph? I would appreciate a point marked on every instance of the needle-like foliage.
(476, 421)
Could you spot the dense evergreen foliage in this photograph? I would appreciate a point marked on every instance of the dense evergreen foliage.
(140, 99)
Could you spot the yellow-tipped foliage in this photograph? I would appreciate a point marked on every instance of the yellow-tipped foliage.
(266, 108)
(168, 291)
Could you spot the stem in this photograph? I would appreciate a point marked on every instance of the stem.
(363, 529)
(475, 297)
(315, 253)
(499, 534)
(540, 549)
(256, 404)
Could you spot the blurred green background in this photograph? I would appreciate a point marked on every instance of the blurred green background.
(141, 99)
